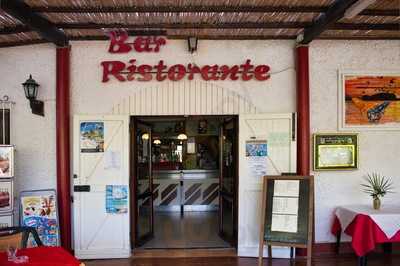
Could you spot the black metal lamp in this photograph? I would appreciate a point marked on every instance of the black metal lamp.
(31, 91)
(192, 44)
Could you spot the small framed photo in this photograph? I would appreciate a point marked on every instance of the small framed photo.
(6, 220)
(6, 161)
(6, 196)
(334, 151)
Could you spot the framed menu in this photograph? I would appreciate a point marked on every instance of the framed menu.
(335, 151)
(287, 212)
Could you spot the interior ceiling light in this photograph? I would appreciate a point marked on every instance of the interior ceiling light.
(182, 136)
(157, 142)
(145, 136)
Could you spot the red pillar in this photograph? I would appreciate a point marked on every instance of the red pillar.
(303, 117)
(63, 144)
(303, 111)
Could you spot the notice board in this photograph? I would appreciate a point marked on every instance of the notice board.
(287, 212)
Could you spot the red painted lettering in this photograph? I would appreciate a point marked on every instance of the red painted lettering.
(209, 72)
(117, 42)
(160, 67)
(176, 72)
(246, 68)
(229, 71)
(192, 71)
(261, 72)
(144, 71)
(112, 68)
(132, 70)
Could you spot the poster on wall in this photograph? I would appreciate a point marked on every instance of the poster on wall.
(335, 151)
(116, 199)
(369, 100)
(256, 156)
(92, 137)
(39, 210)
(6, 196)
(6, 161)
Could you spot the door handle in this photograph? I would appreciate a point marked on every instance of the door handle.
(82, 188)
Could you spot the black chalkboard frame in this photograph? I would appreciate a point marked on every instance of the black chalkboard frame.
(281, 239)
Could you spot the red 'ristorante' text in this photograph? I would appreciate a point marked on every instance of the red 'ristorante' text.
(142, 72)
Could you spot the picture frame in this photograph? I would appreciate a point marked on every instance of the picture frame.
(335, 151)
(6, 220)
(6, 196)
(6, 161)
(368, 100)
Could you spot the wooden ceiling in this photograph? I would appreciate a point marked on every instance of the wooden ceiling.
(59, 21)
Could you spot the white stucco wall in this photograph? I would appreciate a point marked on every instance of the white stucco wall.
(34, 136)
(379, 151)
(88, 92)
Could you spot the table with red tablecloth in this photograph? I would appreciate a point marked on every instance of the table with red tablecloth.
(42, 256)
(367, 227)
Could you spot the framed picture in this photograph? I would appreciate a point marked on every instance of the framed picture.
(6, 161)
(335, 151)
(38, 209)
(369, 100)
(6, 220)
(6, 195)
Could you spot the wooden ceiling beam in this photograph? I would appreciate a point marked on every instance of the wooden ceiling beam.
(204, 9)
(236, 25)
(14, 29)
(21, 11)
(334, 13)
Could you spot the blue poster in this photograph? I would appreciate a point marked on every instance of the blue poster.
(256, 148)
(116, 199)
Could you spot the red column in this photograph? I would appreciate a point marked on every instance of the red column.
(63, 144)
(303, 111)
(303, 117)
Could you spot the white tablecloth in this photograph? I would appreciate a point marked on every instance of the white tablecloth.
(387, 218)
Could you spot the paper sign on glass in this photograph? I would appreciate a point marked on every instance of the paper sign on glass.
(284, 223)
(288, 188)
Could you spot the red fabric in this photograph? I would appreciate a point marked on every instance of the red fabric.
(365, 234)
(42, 256)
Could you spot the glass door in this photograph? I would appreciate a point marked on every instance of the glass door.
(143, 186)
(228, 181)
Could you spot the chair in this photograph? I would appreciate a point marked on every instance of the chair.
(17, 236)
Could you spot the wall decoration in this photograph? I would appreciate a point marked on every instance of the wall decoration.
(335, 151)
(116, 199)
(39, 210)
(6, 220)
(92, 137)
(369, 100)
(256, 148)
(6, 161)
(6, 196)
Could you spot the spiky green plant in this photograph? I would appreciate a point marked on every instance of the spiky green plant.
(377, 185)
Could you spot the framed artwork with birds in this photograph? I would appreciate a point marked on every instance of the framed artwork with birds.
(369, 100)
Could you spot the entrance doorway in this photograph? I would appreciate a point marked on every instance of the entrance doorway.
(184, 180)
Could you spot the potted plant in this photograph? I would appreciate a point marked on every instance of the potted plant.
(377, 186)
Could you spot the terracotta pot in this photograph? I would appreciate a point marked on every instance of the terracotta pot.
(377, 203)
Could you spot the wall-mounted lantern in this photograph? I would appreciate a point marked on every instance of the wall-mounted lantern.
(31, 91)
(192, 44)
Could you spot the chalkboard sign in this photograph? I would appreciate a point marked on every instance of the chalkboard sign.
(287, 212)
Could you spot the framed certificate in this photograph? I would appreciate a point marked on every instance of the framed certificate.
(335, 151)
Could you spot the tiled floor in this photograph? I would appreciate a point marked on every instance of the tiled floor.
(193, 230)
(344, 260)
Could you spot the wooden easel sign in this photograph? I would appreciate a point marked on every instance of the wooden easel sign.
(287, 213)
